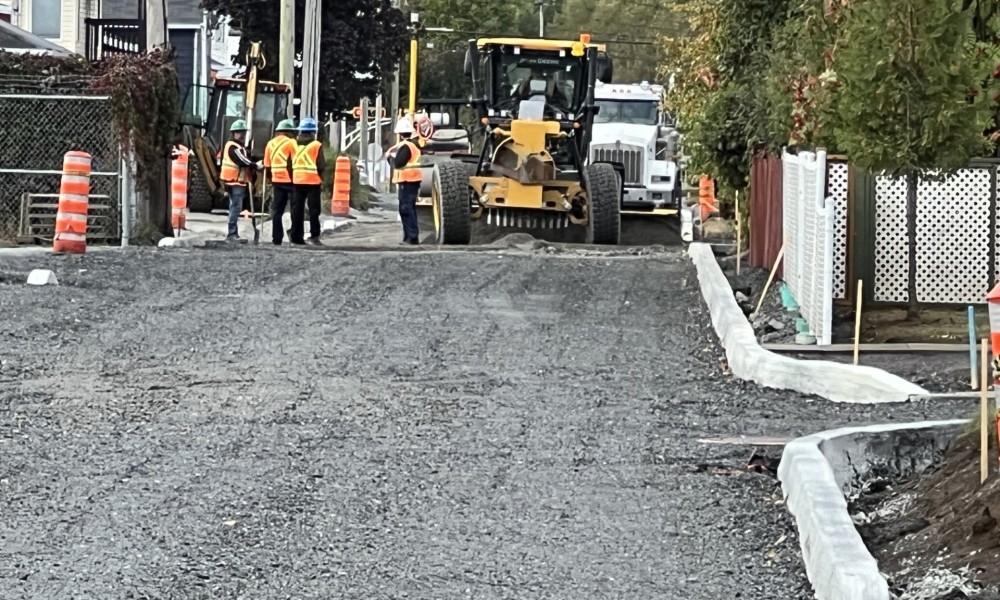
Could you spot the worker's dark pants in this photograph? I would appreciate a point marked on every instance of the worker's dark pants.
(282, 199)
(305, 194)
(408, 192)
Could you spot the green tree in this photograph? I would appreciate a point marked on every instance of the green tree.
(722, 95)
(359, 36)
(441, 57)
(631, 28)
(909, 96)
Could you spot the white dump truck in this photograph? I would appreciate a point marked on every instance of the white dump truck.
(631, 129)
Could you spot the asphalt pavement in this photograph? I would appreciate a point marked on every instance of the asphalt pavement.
(253, 422)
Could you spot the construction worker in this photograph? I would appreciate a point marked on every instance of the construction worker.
(307, 168)
(278, 157)
(405, 160)
(236, 172)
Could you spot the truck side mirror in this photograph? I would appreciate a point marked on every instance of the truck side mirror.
(468, 62)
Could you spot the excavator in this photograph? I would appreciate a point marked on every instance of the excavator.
(260, 103)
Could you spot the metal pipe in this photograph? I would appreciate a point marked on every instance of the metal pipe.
(53, 97)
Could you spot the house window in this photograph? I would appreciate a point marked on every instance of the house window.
(46, 18)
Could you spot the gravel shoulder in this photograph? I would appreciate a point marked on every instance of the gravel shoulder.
(272, 423)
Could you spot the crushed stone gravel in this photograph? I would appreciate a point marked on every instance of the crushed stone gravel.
(273, 423)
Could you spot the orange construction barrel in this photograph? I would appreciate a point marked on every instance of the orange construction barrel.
(179, 188)
(74, 198)
(706, 197)
(341, 205)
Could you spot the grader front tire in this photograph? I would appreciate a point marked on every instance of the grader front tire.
(451, 197)
(604, 194)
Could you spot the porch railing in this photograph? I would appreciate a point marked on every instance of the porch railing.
(115, 36)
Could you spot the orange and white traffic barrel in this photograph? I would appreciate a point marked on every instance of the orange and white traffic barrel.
(74, 199)
(706, 198)
(341, 201)
(179, 188)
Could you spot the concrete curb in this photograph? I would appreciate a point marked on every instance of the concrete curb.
(187, 240)
(747, 360)
(817, 471)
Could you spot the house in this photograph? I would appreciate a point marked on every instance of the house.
(94, 28)
(187, 31)
(18, 41)
(61, 22)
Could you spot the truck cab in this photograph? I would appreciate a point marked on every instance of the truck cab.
(632, 129)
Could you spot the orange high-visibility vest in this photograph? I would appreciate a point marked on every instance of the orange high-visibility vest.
(278, 153)
(231, 173)
(410, 173)
(304, 169)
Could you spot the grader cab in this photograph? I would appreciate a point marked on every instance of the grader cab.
(535, 103)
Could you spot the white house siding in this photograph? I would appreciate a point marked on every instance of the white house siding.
(72, 31)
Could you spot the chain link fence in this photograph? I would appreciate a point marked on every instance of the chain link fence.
(38, 127)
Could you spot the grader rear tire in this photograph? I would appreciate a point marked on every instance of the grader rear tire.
(604, 192)
(451, 198)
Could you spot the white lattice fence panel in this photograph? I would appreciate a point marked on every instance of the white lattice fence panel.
(806, 210)
(836, 186)
(996, 234)
(891, 262)
(952, 239)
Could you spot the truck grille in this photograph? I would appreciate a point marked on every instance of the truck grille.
(630, 156)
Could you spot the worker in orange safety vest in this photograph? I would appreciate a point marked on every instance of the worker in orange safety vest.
(236, 173)
(307, 169)
(405, 160)
(279, 154)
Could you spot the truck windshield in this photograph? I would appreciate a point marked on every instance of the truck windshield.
(630, 112)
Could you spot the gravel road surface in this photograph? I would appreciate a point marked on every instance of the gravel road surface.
(291, 423)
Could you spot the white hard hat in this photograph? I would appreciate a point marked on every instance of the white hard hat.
(404, 125)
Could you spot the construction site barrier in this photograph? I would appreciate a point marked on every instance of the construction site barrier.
(71, 215)
(341, 204)
(706, 198)
(179, 188)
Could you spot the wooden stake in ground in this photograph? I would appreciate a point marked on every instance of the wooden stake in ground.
(972, 348)
(770, 278)
(739, 232)
(857, 322)
(984, 431)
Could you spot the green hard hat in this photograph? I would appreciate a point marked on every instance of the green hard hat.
(238, 125)
(286, 125)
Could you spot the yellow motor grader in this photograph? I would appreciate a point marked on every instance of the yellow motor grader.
(535, 102)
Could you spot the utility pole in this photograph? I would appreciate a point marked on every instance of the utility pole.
(310, 60)
(394, 95)
(156, 24)
(286, 49)
(541, 17)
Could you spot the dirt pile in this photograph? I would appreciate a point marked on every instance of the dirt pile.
(942, 519)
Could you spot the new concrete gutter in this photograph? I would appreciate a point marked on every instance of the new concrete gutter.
(747, 360)
(818, 470)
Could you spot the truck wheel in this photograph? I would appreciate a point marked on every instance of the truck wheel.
(451, 202)
(605, 205)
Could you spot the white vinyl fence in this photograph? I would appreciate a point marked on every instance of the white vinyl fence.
(808, 216)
